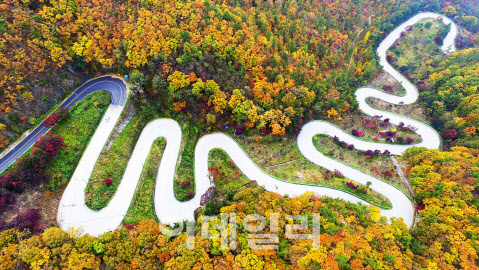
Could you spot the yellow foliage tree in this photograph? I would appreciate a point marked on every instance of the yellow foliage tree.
(218, 99)
(332, 113)
(178, 80)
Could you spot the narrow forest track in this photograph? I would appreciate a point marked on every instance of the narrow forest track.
(401, 174)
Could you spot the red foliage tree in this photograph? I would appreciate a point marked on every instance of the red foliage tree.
(47, 147)
(51, 120)
(450, 134)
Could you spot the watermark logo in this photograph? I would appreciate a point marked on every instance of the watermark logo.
(225, 229)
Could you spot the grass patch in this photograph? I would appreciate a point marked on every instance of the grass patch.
(413, 54)
(355, 121)
(230, 180)
(185, 170)
(76, 130)
(282, 159)
(142, 206)
(413, 111)
(383, 163)
(112, 164)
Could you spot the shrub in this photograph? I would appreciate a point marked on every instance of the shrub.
(29, 220)
(389, 57)
(51, 120)
(185, 184)
(459, 42)
(212, 208)
(62, 112)
(107, 181)
(6, 199)
(439, 40)
(3, 141)
(54, 237)
(387, 256)
(14, 181)
(98, 247)
(208, 196)
(358, 188)
(83, 261)
(351, 185)
(47, 147)
(357, 133)
(8, 237)
(239, 129)
(29, 170)
(450, 134)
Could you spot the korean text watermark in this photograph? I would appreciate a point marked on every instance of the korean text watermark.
(225, 229)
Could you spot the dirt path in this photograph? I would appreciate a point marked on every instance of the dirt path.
(401, 174)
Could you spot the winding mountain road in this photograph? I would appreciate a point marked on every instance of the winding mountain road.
(73, 212)
(114, 85)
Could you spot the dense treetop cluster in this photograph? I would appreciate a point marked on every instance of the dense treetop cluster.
(290, 60)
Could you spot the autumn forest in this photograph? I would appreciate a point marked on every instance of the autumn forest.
(257, 72)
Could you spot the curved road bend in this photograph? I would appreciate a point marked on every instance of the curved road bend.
(114, 85)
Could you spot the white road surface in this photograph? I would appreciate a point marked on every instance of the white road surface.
(73, 212)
